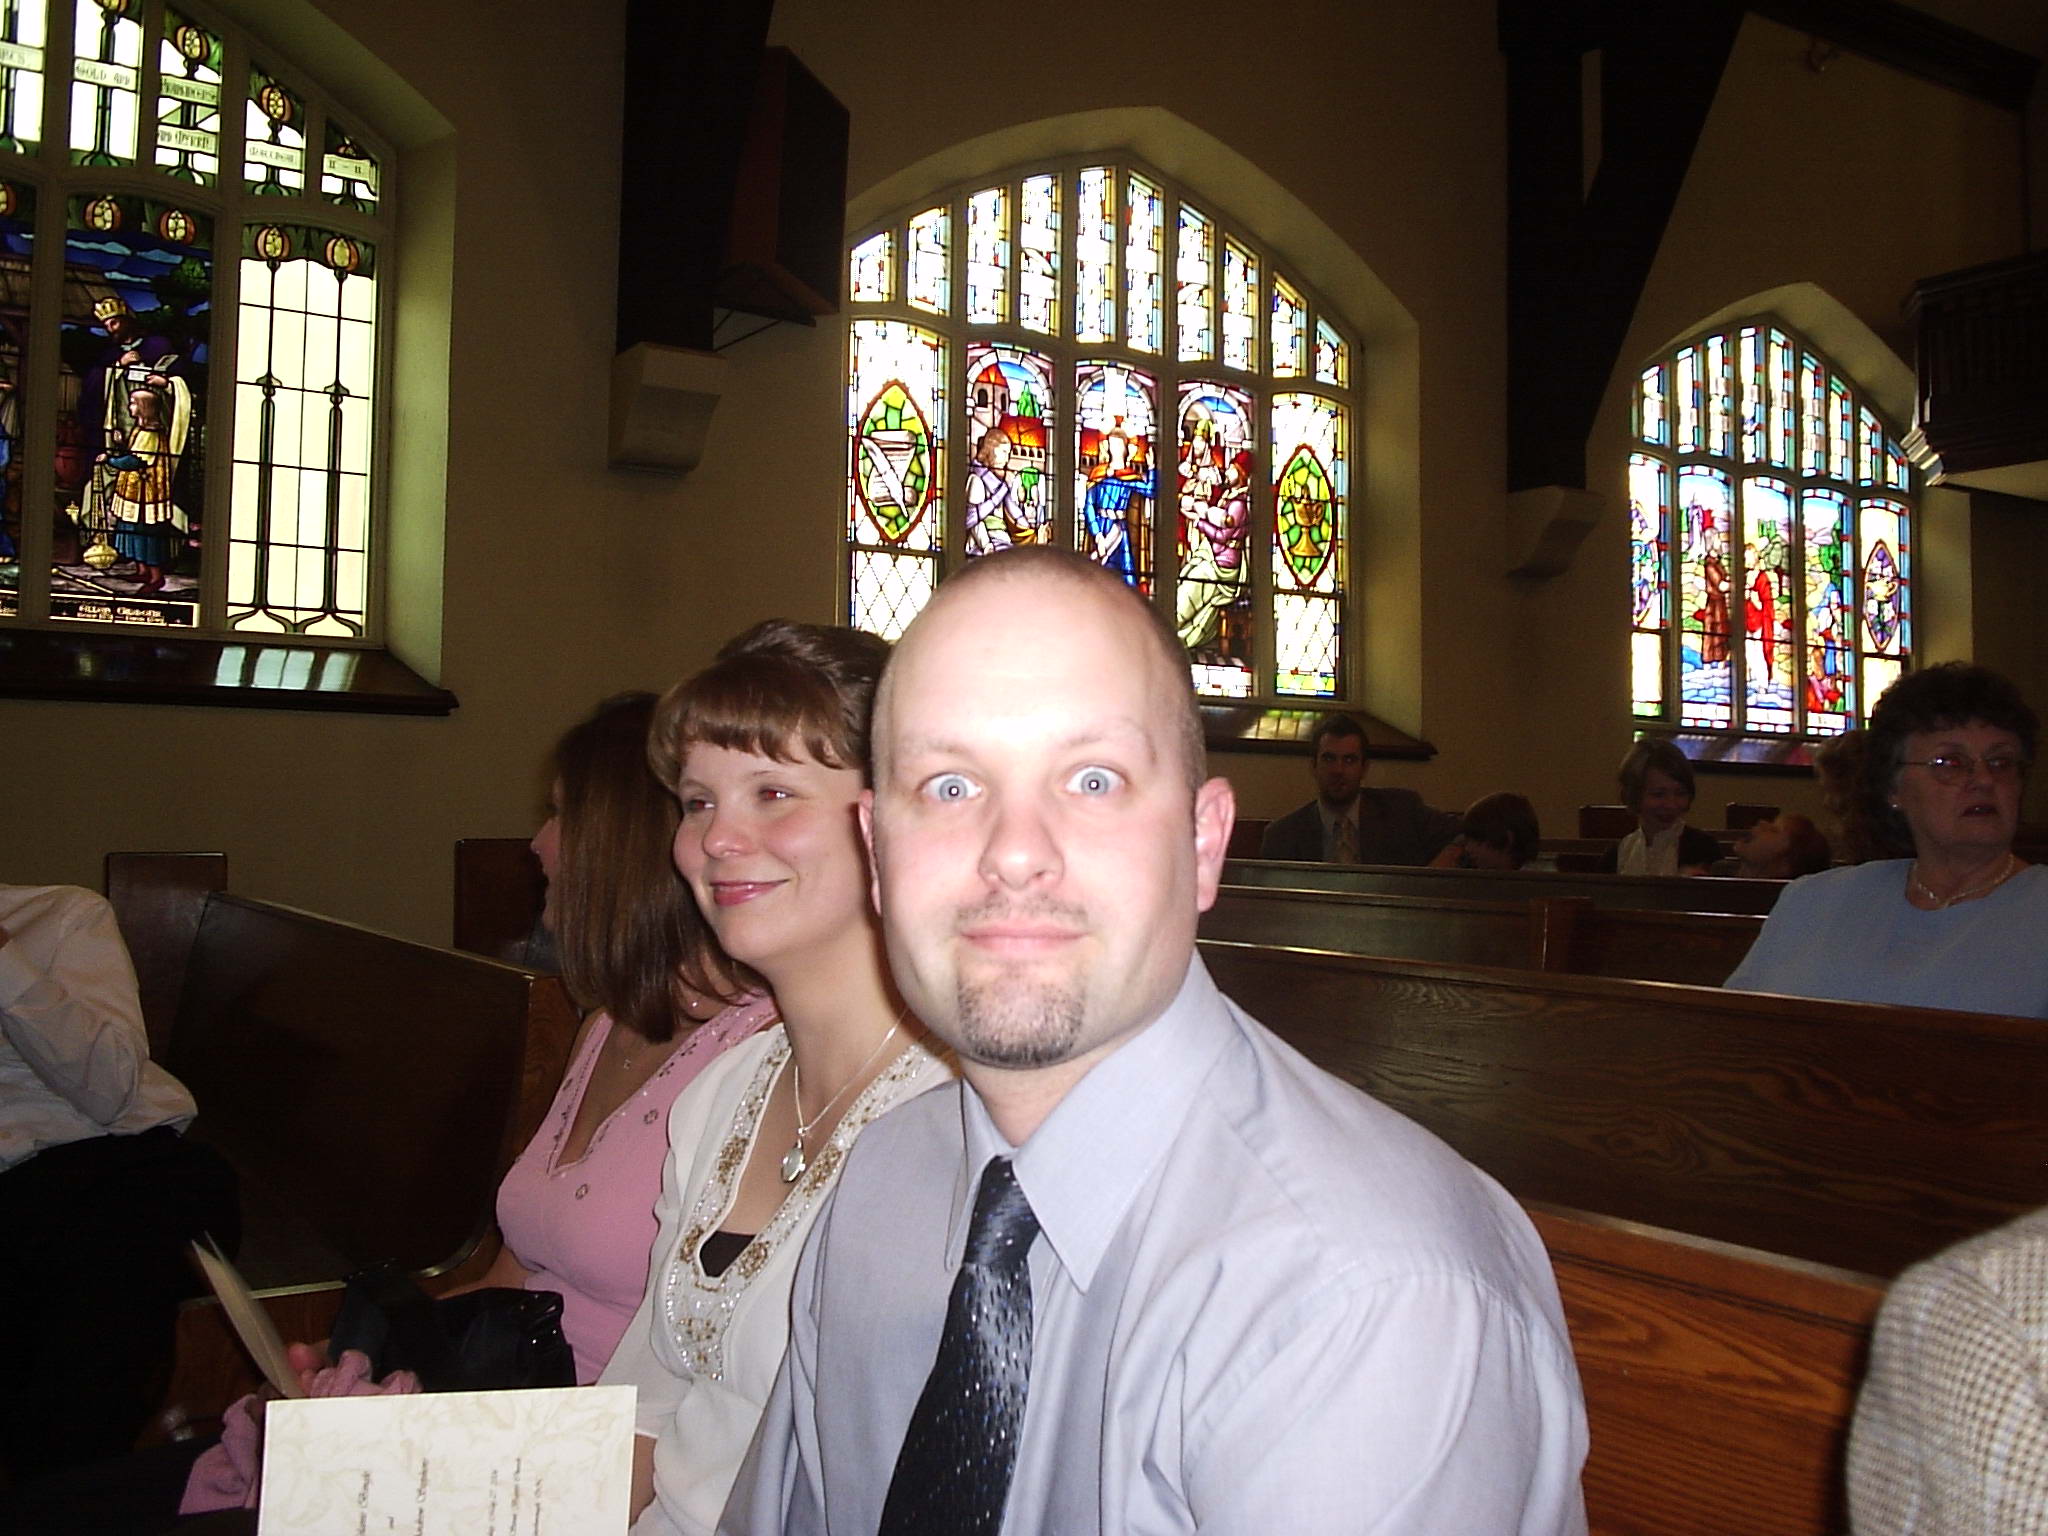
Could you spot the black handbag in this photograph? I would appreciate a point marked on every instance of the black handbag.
(480, 1341)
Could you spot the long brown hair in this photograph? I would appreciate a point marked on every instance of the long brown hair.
(626, 926)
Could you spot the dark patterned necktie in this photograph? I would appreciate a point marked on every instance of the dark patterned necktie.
(953, 1472)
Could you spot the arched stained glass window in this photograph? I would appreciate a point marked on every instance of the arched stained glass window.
(1770, 540)
(1020, 371)
(191, 306)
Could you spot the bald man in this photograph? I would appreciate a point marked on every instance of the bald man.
(1147, 1269)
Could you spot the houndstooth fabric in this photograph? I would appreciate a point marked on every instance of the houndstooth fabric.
(1951, 1430)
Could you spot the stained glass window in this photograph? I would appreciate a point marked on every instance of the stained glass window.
(1767, 495)
(188, 100)
(106, 80)
(1097, 412)
(174, 496)
(931, 261)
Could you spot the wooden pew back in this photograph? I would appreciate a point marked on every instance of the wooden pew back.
(1648, 892)
(1554, 933)
(371, 1088)
(157, 900)
(499, 891)
(1719, 1381)
(1841, 1133)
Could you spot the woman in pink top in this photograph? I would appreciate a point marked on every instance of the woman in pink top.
(577, 1209)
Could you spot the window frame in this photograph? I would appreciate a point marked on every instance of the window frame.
(1166, 368)
(210, 645)
(1739, 736)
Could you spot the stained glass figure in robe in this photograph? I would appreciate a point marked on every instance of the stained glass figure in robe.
(1311, 498)
(1095, 255)
(988, 256)
(1195, 285)
(874, 269)
(21, 75)
(106, 76)
(1038, 255)
(1769, 657)
(1830, 624)
(132, 393)
(1212, 598)
(1649, 519)
(274, 138)
(300, 506)
(17, 238)
(189, 74)
(1705, 671)
(896, 425)
(1010, 421)
(930, 282)
(1115, 416)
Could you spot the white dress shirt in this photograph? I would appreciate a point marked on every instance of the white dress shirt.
(74, 1056)
(1263, 1303)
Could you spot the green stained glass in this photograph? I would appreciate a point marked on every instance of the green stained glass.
(106, 79)
(274, 138)
(895, 474)
(348, 171)
(896, 434)
(1010, 421)
(1212, 594)
(22, 38)
(188, 94)
(1769, 657)
(1310, 504)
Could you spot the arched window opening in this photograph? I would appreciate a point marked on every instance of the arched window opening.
(1771, 514)
(1081, 355)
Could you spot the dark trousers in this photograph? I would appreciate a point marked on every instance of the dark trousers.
(95, 1234)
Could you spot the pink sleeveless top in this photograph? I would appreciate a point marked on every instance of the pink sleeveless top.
(585, 1228)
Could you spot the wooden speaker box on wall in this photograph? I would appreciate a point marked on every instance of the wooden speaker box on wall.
(783, 257)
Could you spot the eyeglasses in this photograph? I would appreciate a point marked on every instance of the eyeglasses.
(1957, 767)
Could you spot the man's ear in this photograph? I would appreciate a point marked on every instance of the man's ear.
(1215, 815)
(864, 808)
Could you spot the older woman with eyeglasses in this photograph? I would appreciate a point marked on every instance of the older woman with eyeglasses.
(1962, 923)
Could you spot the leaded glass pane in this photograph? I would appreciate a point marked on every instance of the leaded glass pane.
(1689, 413)
(1813, 416)
(1144, 239)
(348, 172)
(1769, 656)
(21, 74)
(1755, 387)
(17, 240)
(988, 256)
(1883, 533)
(1869, 446)
(1830, 610)
(874, 269)
(1333, 356)
(1212, 596)
(931, 261)
(1311, 498)
(189, 65)
(1652, 421)
(106, 79)
(1115, 467)
(1720, 392)
(1705, 675)
(1841, 430)
(1240, 306)
(1290, 331)
(1010, 423)
(1038, 255)
(896, 430)
(1649, 518)
(1195, 280)
(297, 555)
(132, 407)
(1893, 470)
(1095, 255)
(1783, 387)
(274, 138)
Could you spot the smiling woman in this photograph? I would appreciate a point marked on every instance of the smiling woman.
(1958, 925)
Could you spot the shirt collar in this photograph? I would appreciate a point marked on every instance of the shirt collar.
(1087, 1161)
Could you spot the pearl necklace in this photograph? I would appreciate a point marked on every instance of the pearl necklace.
(2006, 871)
(796, 1159)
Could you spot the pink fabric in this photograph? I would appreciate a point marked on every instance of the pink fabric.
(226, 1475)
(585, 1229)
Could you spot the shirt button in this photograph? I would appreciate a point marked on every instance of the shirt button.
(582, 1190)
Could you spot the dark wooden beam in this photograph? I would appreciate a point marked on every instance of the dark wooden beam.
(1915, 43)
(690, 71)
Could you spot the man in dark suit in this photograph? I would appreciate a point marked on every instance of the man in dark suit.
(1347, 823)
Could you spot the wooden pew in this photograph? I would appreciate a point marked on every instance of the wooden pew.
(370, 1091)
(1695, 894)
(499, 891)
(1847, 1134)
(1719, 1381)
(1566, 934)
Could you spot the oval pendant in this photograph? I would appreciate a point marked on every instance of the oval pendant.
(794, 1163)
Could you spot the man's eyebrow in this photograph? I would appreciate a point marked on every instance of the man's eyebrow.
(1092, 734)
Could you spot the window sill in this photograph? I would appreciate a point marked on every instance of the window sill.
(1260, 728)
(233, 674)
(1788, 757)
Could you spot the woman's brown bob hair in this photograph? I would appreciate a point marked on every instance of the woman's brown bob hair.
(625, 924)
(782, 689)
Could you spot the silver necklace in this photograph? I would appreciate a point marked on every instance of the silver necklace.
(2005, 871)
(796, 1160)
